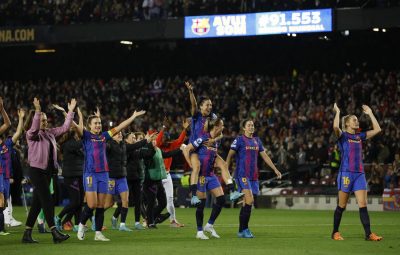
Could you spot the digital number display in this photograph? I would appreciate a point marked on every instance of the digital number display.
(263, 23)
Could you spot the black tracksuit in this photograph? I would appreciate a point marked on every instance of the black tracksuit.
(72, 171)
(119, 158)
(135, 175)
(117, 154)
(153, 189)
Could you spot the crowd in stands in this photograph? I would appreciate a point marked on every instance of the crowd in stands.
(293, 113)
(63, 12)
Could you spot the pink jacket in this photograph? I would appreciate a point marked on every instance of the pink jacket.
(38, 141)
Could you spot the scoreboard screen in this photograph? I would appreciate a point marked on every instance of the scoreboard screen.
(262, 23)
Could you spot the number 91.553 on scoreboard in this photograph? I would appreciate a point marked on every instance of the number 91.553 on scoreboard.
(304, 21)
(294, 22)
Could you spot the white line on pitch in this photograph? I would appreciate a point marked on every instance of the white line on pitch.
(298, 225)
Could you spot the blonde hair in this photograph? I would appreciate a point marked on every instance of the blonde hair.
(89, 120)
(344, 120)
(211, 123)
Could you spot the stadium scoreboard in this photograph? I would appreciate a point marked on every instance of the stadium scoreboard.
(262, 23)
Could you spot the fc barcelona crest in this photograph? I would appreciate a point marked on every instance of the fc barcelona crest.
(201, 26)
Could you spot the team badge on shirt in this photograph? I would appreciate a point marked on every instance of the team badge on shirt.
(4, 149)
(198, 142)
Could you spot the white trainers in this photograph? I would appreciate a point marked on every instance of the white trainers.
(210, 229)
(7, 217)
(15, 223)
(201, 235)
(100, 237)
(81, 232)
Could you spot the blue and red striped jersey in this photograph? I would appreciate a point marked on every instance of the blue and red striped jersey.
(350, 146)
(207, 155)
(95, 151)
(197, 126)
(247, 150)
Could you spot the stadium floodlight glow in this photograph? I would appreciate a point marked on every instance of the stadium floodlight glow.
(126, 42)
(261, 23)
(375, 29)
(45, 51)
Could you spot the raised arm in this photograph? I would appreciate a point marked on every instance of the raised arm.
(269, 162)
(97, 112)
(193, 101)
(34, 129)
(28, 119)
(127, 122)
(140, 144)
(169, 154)
(135, 146)
(159, 138)
(376, 129)
(161, 133)
(336, 121)
(68, 120)
(7, 122)
(79, 127)
(175, 144)
(62, 110)
(18, 133)
(56, 106)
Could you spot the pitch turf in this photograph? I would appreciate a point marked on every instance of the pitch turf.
(276, 232)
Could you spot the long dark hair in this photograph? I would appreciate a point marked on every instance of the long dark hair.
(203, 99)
(244, 122)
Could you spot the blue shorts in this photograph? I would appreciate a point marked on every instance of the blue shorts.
(245, 183)
(96, 182)
(2, 183)
(6, 192)
(350, 182)
(207, 183)
(117, 186)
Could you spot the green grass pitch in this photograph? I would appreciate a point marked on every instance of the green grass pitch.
(276, 232)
